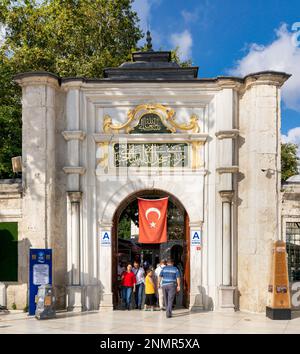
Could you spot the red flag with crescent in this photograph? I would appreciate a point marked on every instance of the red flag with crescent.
(153, 220)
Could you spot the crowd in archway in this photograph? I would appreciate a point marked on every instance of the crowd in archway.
(155, 288)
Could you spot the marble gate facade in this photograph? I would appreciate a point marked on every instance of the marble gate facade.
(71, 186)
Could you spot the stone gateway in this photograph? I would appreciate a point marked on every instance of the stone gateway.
(149, 129)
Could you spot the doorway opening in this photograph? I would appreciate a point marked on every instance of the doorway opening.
(126, 248)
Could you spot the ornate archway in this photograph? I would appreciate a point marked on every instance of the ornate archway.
(178, 239)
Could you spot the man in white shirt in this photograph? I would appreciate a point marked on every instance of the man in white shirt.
(158, 269)
(140, 284)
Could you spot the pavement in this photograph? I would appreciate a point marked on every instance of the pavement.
(112, 322)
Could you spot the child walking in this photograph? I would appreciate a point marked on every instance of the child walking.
(150, 299)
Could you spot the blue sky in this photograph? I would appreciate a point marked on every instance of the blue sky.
(225, 37)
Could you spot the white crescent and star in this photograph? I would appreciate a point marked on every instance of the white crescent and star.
(152, 210)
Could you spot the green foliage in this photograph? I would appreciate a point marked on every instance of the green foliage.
(176, 59)
(124, 228)
(289, 160)
(10, 119)
(66, 37)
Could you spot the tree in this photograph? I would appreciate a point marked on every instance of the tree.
(289, 160)
(65, 37)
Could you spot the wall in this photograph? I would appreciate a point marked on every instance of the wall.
(11, 211)
(258, 186)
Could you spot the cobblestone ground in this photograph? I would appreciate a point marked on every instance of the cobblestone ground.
(183, 321)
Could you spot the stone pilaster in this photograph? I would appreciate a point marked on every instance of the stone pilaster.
(38, 156)
(104, 269)
(259, 185)
(226, 290)
(74, 251)
(196, 293)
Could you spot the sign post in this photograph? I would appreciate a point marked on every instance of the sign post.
(40, 273)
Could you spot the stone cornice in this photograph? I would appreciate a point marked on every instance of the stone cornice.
(74, 135)
(272, 78)
(227, 134)
(37, 78)
(74, 170)
(69, 84)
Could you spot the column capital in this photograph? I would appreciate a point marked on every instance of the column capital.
(105, 225)
(75, 197)
(226, 196)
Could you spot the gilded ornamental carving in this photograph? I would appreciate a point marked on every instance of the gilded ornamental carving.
(165, 114)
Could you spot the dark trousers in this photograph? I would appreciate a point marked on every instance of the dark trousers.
(139, 292)
(126, 296)
(169, 292)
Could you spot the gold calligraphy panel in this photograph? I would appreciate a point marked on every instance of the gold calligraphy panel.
(151, 155)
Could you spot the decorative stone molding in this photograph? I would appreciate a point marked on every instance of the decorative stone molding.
(271, 78)
(227, 298)
(226, 196)
(75, 170)
(228, 169)
(227, 134)
(105, 225)
(37, 78)
(229, 82)
(196, 224)
(75, 197)
(154, 138)
(11, 213)
(74, 135)
(166, 115)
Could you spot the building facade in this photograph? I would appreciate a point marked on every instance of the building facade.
(149, 128)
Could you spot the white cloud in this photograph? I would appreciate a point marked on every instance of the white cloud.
(184, 42)
(190, 16)
(143, 10)
(293, 136)
(281, 55)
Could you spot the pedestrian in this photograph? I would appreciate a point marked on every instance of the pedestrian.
(150, 299)
(169, 279)
(121, 270)
(140, 280)
(160, 296)
(128, 286)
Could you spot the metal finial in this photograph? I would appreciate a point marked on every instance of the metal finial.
(149, 42)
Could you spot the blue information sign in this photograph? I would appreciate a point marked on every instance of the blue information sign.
(40, 273)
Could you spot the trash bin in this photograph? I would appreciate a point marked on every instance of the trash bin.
(45, 303)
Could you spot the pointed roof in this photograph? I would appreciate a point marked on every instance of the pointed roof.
(151, 65)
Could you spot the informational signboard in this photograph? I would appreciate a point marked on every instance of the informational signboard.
(40, 273)
(196, 239)
(106, 238)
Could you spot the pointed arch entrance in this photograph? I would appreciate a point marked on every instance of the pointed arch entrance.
(125, 246)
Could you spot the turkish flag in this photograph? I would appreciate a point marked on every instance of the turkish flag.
(153, 220)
